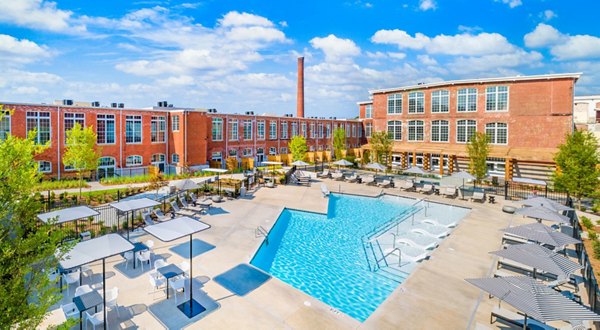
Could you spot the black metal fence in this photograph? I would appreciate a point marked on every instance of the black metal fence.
(517, 191)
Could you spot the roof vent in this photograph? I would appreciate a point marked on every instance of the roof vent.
(121, 105)
(67, 102)
(113, 105)
(96, 104)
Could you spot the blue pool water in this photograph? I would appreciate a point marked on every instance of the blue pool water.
(323, 255)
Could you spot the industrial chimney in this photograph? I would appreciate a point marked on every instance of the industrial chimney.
(300, 97)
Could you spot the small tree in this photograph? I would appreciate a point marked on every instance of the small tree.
(157, 180)
(82, 154)
(27, 246)
(298, 148)
(381, 142)
(577, 165)
(478, 149)
(339, 142)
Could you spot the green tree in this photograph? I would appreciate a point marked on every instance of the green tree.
(298, 148)
(577, 165)
(157, 179)
(478, 149)
(82, 154)
(339, 142)
(381, 144)
(27, 246)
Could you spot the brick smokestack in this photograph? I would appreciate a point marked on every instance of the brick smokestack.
(300, 97)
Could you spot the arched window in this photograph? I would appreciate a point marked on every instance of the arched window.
(465, 129)
(416, 130)
(158, 158)
(440, 131)
(106, 161)
(395, 129)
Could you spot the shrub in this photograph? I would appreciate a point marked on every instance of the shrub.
(596, 248)
(592, 235)
(587, 223)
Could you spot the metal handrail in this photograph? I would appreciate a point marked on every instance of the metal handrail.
(261, 232)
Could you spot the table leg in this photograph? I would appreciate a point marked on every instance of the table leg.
(80, 320)
(134, 259)
(167, 288)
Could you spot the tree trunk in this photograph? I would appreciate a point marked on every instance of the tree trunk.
(80, 186)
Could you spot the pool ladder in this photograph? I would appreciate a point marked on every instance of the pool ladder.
(261, 232)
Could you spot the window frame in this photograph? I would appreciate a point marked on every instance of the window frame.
(5, 119)
(106, 118)
(233, 130)
(173, 161)
(413, 102)
(369, 111)
(217, 129)
(413, 124)
(40, 166)
(128, 164)
(438, 124)
(394, 125)
(467, 125)
(368, 130)
(261, 124)
(141, 128)
(394, 103)
(73, 119)
(496, 130)
(273, 130)
(467, 94)
(38, 120)
(158, 125)
(496, 94)
(440, 95)
(175, 123)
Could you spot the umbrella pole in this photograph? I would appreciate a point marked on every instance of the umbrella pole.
(104, 289)
(191, 277)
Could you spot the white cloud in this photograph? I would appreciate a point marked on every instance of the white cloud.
(512, 3)
(255, 33)
(547, 15)
(427, 60)
(335, 48)
(543, 35)
(460, 44)
(22, 51)
(426, 5)
(494, 63)
(396, 55)
(235, 18)
(39, 14)
(563, 46)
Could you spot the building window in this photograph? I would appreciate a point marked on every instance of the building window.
(135, 160)
(347, 130)
(440, 101)
(175, 123)
(495, 165)
(233, 130)
(247, 129)
(353, 130)
(394, 105)
(247, 152)
(233, 153)
(158, 129)
(175, 158)
(217, 129)
(303, 132)
(360, 130)
(416, 130)
(216, 156)
(467, 100)
(320, 126)
(440, 131)
(313, 132)
(273, 130)
(284, 130)
(294, 129)
(283, 150)
(465, 129)
(105, 128)
(133, 129)
(39, 121)
(106, 161)
(44, 166)
(496, 98)
(368, 129)
(260, 130)
(328, 130)
(158, 158)
(497, 132)
(416, 102)
(4, 126)
(395, 129)
(369, 109)
(71, 119)
(272, 151)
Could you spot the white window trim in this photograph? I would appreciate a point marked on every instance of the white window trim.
(467, 100)
(431, 105)
(416, 98)
(496, 129)
(230, 130)
(431, 131)
(212, 129)
(134, 165)
(158, 121)
(44, 161)
(141, 127)
(388, 129)
(456, 125)
(173, 158)
(401, 98)
(37, 117)
(507, 99)
(264, 125)
(8, 116)
(408, 130)
(173, 123)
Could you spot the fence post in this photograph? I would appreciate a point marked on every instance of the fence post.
(505, 190)
(118, 195)
(546, 191)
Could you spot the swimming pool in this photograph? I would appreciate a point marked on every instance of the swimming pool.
(323, 255)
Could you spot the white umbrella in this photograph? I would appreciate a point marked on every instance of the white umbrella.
(547, 203)
(376, 166)
(273, 168)
(415, 170)
(342, 162)
(464, 175)
(186, 184)
(218, 171)
(300, 163)
(542, 213)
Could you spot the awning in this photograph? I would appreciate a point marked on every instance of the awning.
(67, 215)
(134, 204)
(534, 299)
(537, 154)
(95, 249)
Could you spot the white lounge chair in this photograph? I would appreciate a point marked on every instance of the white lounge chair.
(339, 176)
(352, 178)
(324, 190)
(406, 185)
(433, 231)
(416, 240)
(187, 206)
(384, 184)
(478, 196)
(160, 215)
(179, 211)
(408, 254)
(439, 222)
(425, 189)
(324, 174)
(148, 219)
(368, 180)
(449, 192)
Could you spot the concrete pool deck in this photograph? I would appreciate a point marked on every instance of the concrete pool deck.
(435, 296)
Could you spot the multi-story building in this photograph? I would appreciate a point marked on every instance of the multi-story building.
(587, 114)
(525, 117)
(167, 137)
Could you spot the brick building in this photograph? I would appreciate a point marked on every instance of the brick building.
(526, 118)
(167, 137)
(587, 114)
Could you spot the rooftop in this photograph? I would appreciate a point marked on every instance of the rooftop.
(574, 76)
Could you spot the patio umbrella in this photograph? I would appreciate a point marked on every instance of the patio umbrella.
(539, 257)
(541, 234)
(547, 203)
(415, 170)
(542, 213)
(464, 175)
(534, 299)
(273, 168)
(186, 184)
(342, 162)
(300, 163)
(69, 214)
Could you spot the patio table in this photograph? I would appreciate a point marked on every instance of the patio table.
(169, 271)
(87, 301)
(137, 247)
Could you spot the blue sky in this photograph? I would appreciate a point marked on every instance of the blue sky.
(241, 55)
